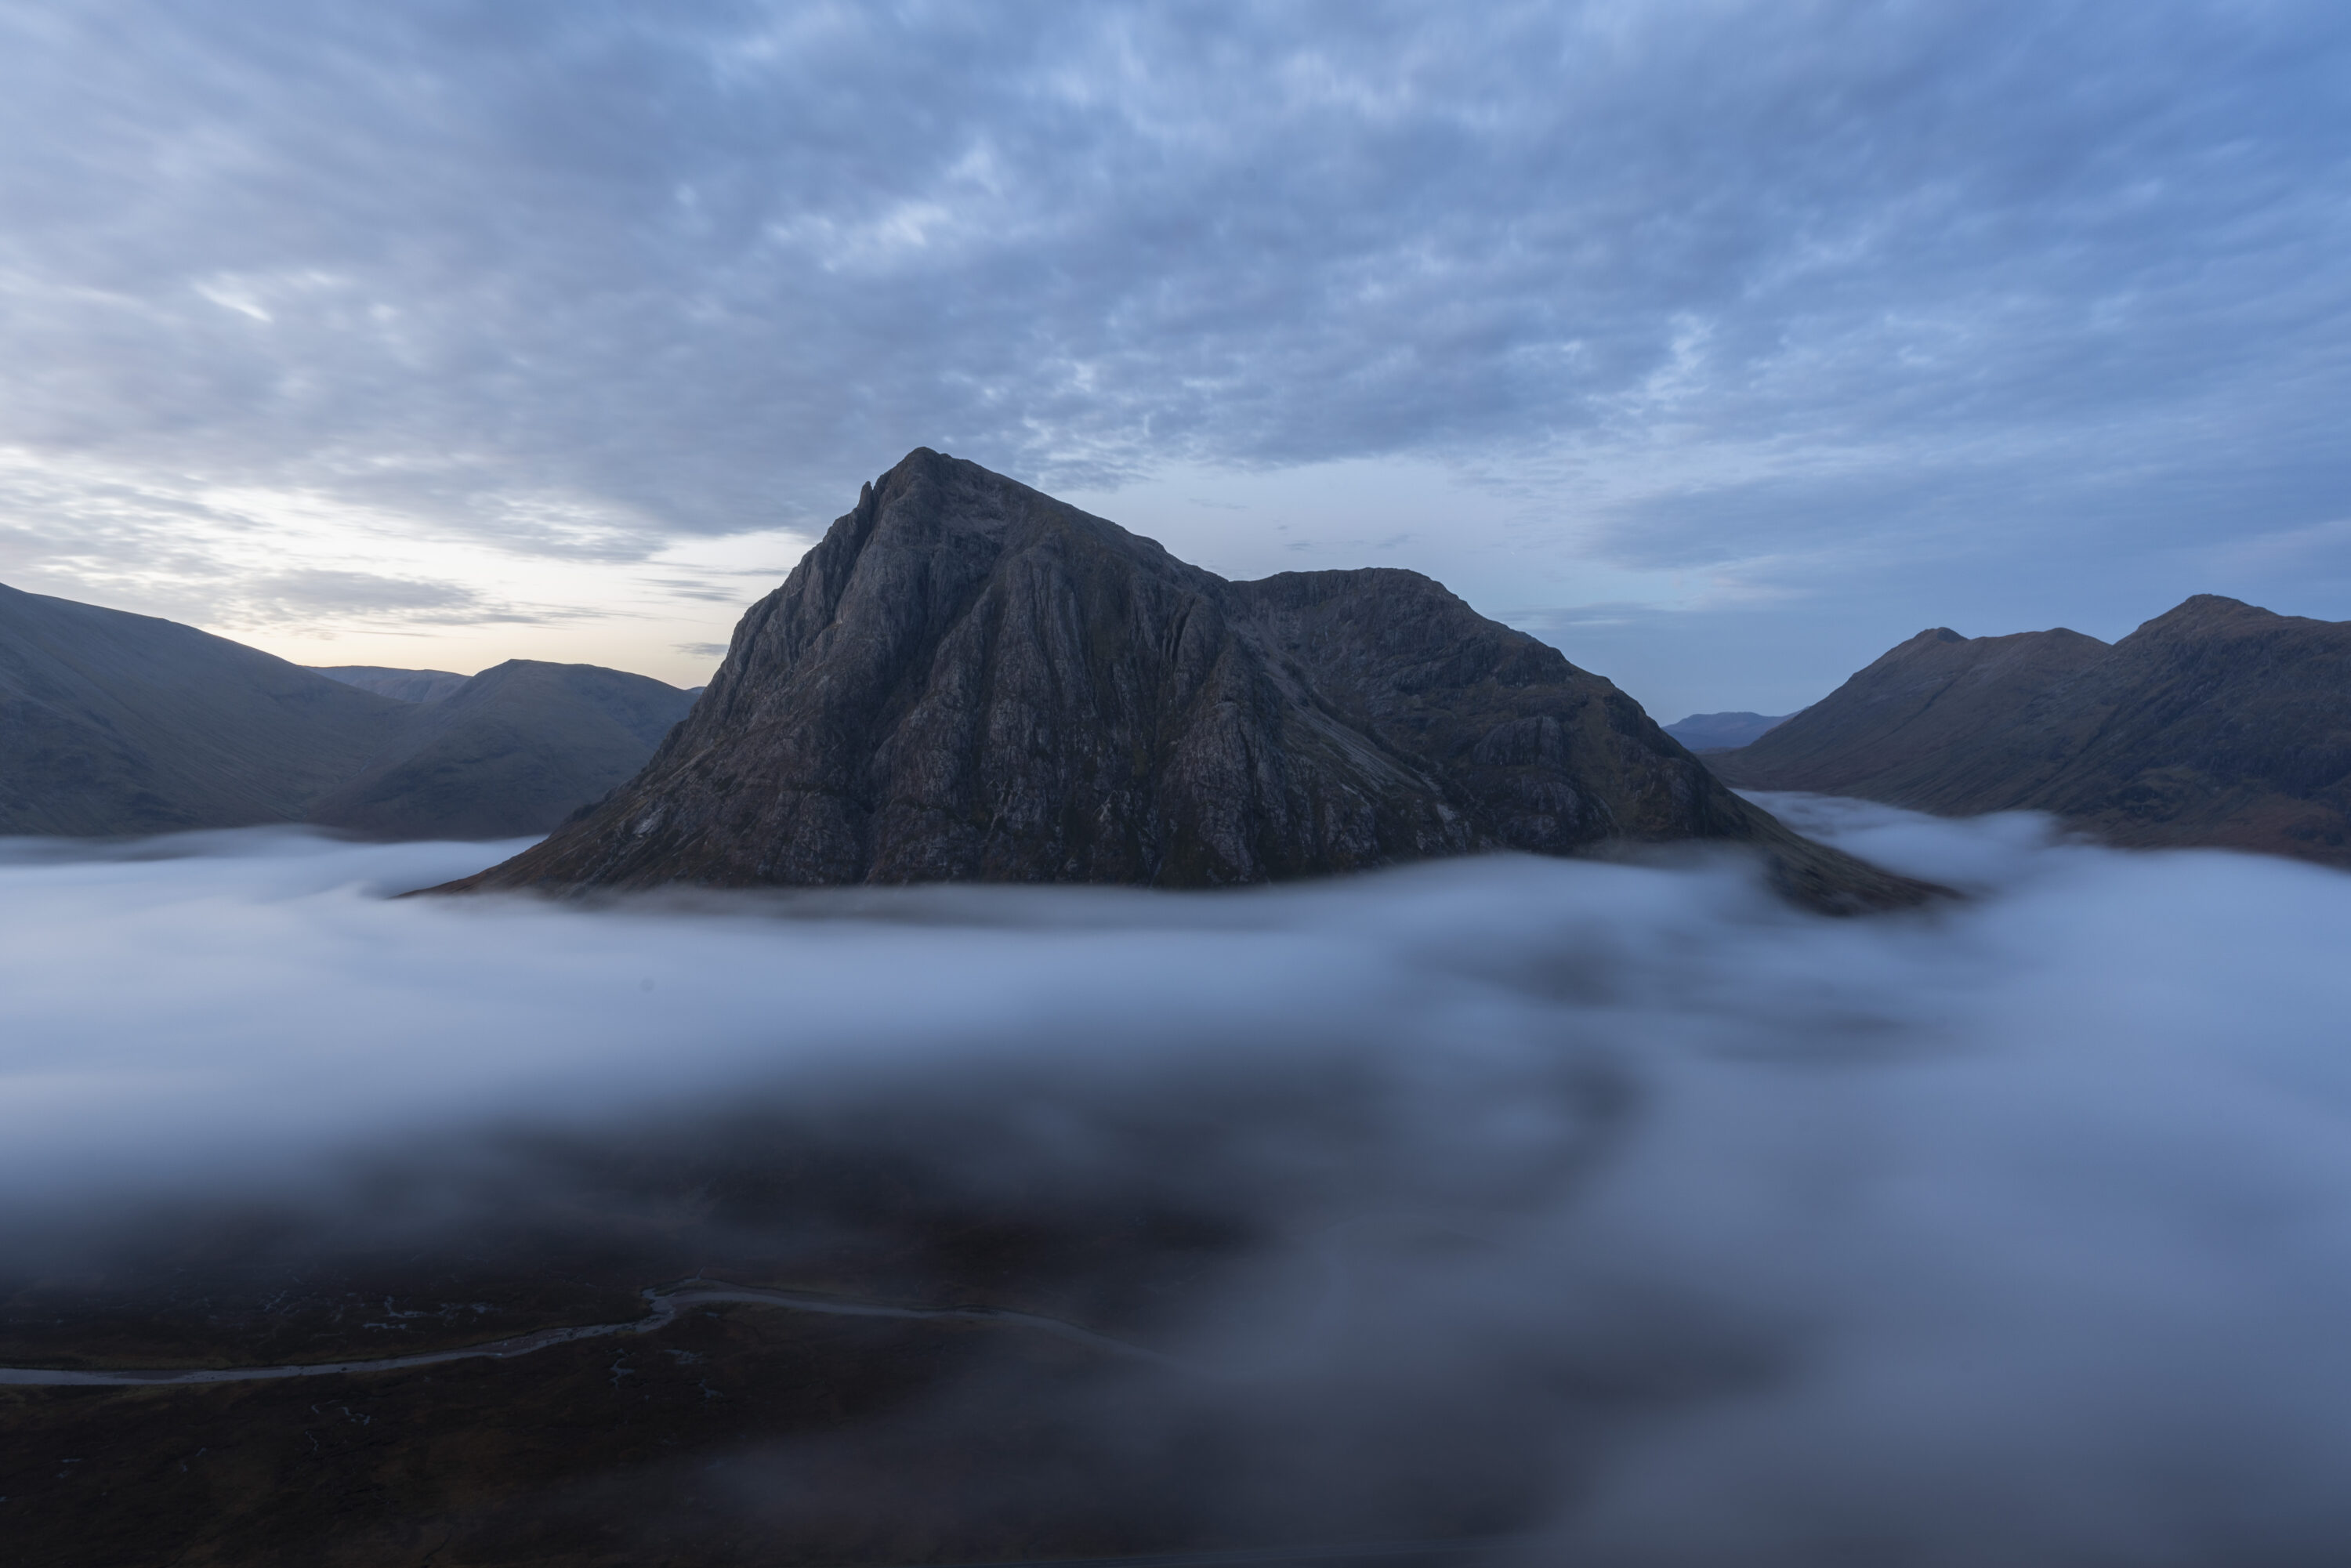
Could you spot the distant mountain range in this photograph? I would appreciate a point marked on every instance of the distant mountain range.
(118, 724)
(1716, 731)
(408, 686)
(2216, 724)
(514, 750)
(969, 680)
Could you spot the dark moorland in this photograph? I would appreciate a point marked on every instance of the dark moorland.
(736, 1434)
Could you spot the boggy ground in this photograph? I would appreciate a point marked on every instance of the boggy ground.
(733, 1434)
(736, 1435)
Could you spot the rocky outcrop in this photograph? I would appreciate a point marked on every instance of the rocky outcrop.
(2218, 722)
(969, 680)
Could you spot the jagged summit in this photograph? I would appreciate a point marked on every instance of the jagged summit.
(969, 680)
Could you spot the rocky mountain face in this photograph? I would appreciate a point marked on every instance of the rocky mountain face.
(113, 724)
(408, 686)
(969, 680)
(2216, 724)
(1721, 731)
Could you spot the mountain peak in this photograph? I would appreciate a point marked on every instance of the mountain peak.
(2205, 612)
(967, 679)
(2216, 722)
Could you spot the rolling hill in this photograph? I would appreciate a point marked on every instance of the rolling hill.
(2218, 722)
(113, 724)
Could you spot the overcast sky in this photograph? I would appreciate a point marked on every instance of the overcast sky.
(1722, 344)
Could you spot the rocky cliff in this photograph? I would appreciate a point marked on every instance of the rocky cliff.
(2218, 723)
(969, 680)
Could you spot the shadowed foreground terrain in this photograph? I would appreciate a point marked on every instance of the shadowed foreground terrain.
(735, 1433)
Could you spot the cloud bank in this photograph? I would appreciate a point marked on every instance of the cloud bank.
(1851, 300)
(1718, 1233)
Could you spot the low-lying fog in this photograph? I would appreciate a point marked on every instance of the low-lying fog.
(2017, 1231)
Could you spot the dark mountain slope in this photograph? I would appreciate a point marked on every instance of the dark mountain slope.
(1913, 726)
(514, 750)
(2216, 724)
(112, 723)
(967, 679)
(408, 686)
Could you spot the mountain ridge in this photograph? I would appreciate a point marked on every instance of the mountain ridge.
(967, 679)
(405, 685)
(2215, 723)
(116, 723)
(1722, 731)
(113, 724)
(513, 750)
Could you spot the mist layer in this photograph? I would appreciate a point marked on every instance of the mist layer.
(2014, 1231)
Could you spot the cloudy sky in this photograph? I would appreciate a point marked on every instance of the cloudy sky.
(1722, 344)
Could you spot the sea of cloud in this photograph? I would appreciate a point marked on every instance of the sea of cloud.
(2014, 1231)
